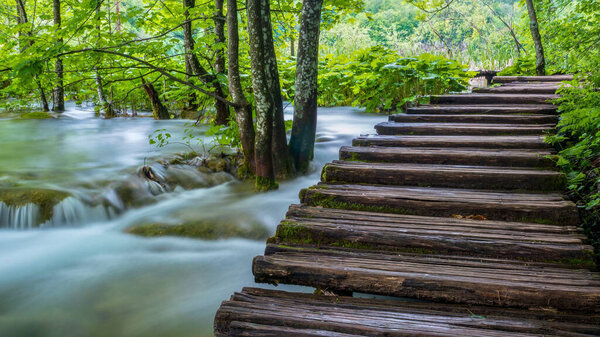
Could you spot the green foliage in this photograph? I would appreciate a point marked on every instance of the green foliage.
(524, 66)
(578, 140)
(378, 79)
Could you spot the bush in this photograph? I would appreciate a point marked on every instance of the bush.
(378, 79)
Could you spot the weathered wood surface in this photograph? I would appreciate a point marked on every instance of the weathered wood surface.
(493, 98)
(488, 142)
(445, 202)
(435, 175)
(457, 201)
(498, 109)
(493, 119)
(408, 233)
(451, 156)
(295, 314)
(441, 278)
(524, 80)
(461, 129)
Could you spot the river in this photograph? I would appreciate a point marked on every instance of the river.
(83, 275)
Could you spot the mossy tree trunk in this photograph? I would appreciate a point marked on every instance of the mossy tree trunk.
(158, 109)
(58, 97)
(265, 177)
(243, 110)
(282, 160)
(203, 75)
(305, 101)
(540, 64)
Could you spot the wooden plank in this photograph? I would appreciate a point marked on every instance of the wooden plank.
(475, 118)
(554, 78)
(433, 235)
(434, 175)
(444, 279)
(500, 109)
(452, 156)
(520, 89)
(461, 129)
(488, 142)
(446, 202)
(369, 317)
(493, 99)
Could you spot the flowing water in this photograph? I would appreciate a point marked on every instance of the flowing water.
(79, 274)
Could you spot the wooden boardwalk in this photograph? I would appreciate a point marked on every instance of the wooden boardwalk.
(455, 210)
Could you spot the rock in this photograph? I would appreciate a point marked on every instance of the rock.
(36, 115)
(208, 230)
(45, 199)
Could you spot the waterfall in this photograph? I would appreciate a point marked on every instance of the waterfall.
(19, 217)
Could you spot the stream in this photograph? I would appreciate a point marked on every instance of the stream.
(80, 274)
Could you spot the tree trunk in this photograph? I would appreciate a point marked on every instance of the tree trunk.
(265, 178)
(292, 51)
(302, 142)
(282, 161)
(58, 98)
(188, 42)
(22, 18)
(159, 111)
(118, 16)
(540, 64)
(243, 113)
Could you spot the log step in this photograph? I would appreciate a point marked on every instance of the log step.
(500, 109)
(449, 236)
(526, 79)
(446, 202)
(263, 312)
(493, 98)
(487, 142)
(452, 156)
(519, 89)
(499, 119)
(434, 175)
(477, 281)
(461, 129)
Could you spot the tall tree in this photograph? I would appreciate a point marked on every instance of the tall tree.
(58, 97)
(263, 98)
(243, 110)
(540, 64)
(282, 160)
(203, 75)
(304, 128)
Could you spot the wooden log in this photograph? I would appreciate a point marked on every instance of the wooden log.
(436, 236)
(519, 89)
(493, 99)
(487, 142)
(543, 79)
(437, 278)
(461, 129)
(500, 109)
(377, 317)
(446, 202)
(434, 175)
(452, 156)
(493, 119)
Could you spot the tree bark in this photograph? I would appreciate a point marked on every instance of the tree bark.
(282, 160)
(243, 114)
(302, 141)
(58, 97)
(265, 177)
(159, 111)
(540, 64)
(221, 108)
(22, 18)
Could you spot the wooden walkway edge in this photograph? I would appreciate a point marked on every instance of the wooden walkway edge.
(455, 210)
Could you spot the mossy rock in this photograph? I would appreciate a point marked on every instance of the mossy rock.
(201, 230)
(36, 115)
(45, 199)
